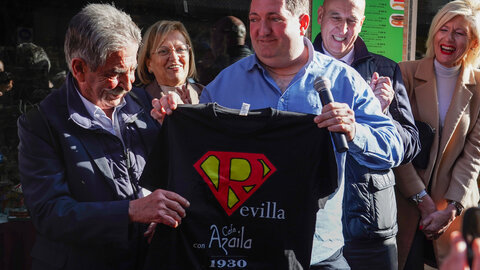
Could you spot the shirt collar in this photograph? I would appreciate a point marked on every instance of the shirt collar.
(348, 58)
(93, 110)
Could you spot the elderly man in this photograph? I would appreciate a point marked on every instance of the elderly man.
(369, 234)
(82, 152)
(281, 74)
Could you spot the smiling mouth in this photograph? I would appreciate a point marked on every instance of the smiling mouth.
(117, 91)
(447, 49)
(339, 39)
(265, 40)
(175, 66)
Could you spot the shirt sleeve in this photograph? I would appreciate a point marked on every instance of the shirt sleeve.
(401, 114)
(377, 143)
(205, 96)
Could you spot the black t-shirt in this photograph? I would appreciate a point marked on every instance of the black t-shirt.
(254, 184)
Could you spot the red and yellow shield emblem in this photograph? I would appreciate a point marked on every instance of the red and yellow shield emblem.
(233, 177)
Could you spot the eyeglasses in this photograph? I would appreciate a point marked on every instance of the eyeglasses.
(180, 50)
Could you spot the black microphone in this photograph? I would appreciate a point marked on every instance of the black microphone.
(322, 86)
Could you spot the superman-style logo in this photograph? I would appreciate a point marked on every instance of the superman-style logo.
(233, 177)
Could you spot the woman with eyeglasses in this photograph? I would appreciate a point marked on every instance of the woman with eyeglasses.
(166, 62)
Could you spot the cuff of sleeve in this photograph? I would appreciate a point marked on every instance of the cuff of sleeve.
(464, 201)
(359, 141)
(119, 219)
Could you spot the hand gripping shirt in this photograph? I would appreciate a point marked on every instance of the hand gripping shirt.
(254, 184)
(376, 145)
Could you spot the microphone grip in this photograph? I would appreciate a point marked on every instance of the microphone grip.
(339, 139)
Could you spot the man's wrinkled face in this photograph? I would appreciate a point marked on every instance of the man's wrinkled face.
(341, 21)
(108, 84)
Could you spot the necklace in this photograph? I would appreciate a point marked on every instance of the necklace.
(279, 74)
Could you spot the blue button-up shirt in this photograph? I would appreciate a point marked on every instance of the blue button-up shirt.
(376, 145)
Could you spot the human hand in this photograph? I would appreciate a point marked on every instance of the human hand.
(184, 94)
(427, 206)
(161, 206)
(337, 117)
(437, 222)
(150, 232)
(457, 257)
(382, 89)
(165, 105)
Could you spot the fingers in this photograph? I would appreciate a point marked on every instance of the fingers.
(150, 232)
(384, 81)
(184, 94)
(157, 115)
(150, 229)
(165, 105)
(161, 206)
(337, 117)
(169, 217)
(424, 223)
(168, 104)
(177, 198)
(436, 223)
(170, 207)
(373, 80)
(384, 92)
(333, 114)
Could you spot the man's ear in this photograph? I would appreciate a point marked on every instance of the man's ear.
(362, 21)
(304, 21)
(79, 68)
(319, 14)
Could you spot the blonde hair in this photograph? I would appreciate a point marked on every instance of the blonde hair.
(468, 9)
(154, 36)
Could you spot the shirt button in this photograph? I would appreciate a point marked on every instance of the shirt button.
(282, 100)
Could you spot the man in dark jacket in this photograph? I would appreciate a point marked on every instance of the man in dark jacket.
(369, 211)
(227, 46)
(82, 152)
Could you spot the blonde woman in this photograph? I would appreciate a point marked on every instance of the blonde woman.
(444, 92)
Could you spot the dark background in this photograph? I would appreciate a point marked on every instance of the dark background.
(44, 22)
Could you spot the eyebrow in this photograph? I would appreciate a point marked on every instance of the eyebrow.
(338, 14)
(268, 14)
(123, 70)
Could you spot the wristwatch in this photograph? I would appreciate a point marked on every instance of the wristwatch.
(417, 198)
(458, 206)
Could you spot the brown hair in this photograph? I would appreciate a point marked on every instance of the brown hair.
(154, 36)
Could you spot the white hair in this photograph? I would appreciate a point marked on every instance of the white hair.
(97, 31)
